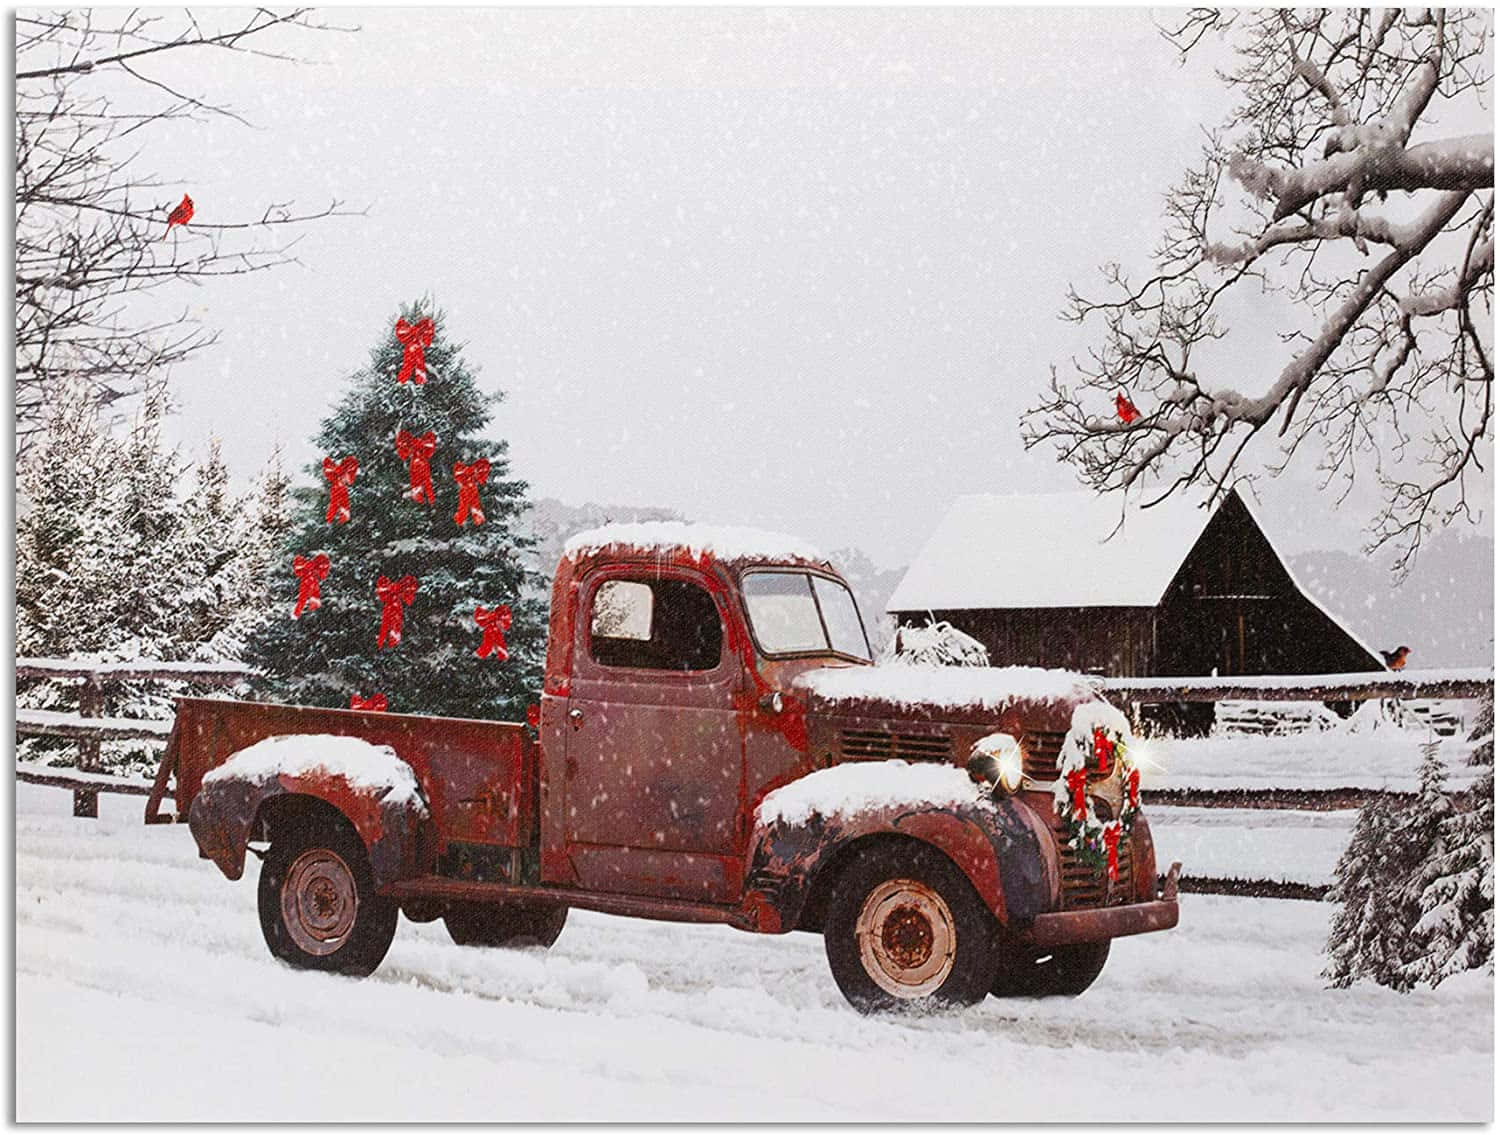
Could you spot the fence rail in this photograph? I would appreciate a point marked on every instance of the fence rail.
(91, 724)
(1442, 684)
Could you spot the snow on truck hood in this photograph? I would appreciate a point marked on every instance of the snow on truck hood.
(988, 688)
(667, 536)
(361, 763)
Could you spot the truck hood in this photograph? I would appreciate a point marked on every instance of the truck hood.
(980, 695)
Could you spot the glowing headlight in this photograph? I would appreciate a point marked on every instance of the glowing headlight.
(996, 760)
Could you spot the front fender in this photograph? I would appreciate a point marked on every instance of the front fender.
(991, 842)
(225, 812)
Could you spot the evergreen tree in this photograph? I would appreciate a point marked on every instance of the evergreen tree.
(1374, 933)
(1456, 931)
(327, 655)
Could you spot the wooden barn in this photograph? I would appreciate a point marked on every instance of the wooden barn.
(1057, 580)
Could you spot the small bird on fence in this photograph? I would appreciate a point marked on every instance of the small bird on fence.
(1396, 659)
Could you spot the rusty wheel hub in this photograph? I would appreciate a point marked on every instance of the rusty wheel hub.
(319, 901)
(907, 938)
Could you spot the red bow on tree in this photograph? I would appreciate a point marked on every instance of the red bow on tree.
(1125, 408)
(375, 703)
(418, 451)
(180, 215)
(1104, 750)
(1133, 783)
(469, 478)
(1078, 781)
(414, 338)
(1112, 832)
(494, 624)
(310, 575)
(534, 716)
(393, 595)
(340, 475)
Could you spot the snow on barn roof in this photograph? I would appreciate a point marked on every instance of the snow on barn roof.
(666, 536)
(1050, 550)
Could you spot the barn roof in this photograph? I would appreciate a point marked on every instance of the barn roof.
(1049, 550)
(1056, 550)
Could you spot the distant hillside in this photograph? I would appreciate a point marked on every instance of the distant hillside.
(1443, 610)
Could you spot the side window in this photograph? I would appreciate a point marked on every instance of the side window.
(659, 624)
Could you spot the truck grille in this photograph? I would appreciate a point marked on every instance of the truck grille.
(878, 745)
(1039, 755)
(1085, 887)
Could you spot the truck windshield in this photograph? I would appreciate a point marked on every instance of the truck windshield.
(795, 612)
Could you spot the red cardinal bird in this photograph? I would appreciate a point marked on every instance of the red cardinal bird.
(1126, 408)
(180, 215)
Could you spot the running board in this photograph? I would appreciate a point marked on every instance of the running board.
(631, 906)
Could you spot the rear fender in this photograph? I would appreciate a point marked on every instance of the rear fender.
(228, 812)
(792, 866)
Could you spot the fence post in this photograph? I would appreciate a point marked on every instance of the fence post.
(90, 704)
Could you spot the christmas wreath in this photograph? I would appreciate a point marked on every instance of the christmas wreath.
(1097, 744)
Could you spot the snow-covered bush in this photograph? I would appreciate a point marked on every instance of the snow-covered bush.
(938, 644)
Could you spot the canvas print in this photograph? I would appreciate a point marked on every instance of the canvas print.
(754, 565)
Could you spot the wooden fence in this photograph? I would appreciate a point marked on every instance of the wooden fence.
(92, 724)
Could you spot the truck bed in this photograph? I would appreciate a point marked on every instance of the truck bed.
(480, 777)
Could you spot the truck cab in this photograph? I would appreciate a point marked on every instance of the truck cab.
(714, 743)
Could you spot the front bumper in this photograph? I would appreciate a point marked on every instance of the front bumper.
(1066, 928)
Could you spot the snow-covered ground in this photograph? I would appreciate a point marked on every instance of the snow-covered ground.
(1251, 843)
(1383, 758)
(144, 992)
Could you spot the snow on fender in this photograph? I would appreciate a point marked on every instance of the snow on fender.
(802, 826)
(372, 787)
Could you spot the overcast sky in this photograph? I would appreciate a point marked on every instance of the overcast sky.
(794, 269)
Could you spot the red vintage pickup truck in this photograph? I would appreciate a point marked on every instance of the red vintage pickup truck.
(713, 745)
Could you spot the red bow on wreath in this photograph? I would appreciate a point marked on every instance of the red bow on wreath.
(375, 703)
(1078, 781)
(494, 624)
(414, 338)
(418, 451)
(340, 475)
(1104, 750)
(469, 478)
(1112, 834)
(393, 595)
(1133, 784)
(310, 575)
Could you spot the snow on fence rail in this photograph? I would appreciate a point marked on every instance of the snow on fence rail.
(1458, 684)
(91, 724)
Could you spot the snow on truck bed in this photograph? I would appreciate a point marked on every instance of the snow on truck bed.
(359, 762)
(946, 687)
(137, 963)
(666, 536)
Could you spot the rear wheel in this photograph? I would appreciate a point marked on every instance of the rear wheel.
(504, 924)
(1064, 971)
(906, 930)
(317, 900)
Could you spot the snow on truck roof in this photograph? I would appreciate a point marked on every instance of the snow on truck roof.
(667, 536)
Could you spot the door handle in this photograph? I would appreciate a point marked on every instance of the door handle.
(576, 717)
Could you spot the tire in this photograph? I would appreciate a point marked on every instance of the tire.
(1064, 971)
(510, 925)
(317, 900)
(906, 931)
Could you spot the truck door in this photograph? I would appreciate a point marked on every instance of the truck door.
(655, 751)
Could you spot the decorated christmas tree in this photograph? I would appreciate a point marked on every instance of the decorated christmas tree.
(418, 520)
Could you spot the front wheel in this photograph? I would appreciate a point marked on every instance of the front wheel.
(318, 906)
(1064, 971)
(906, 930)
